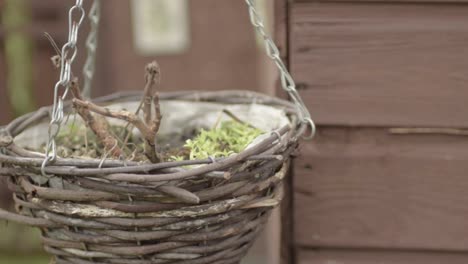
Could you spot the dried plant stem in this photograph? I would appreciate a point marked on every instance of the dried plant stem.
(150, 144)
(150, 96)
(152, 77)
(154, 126)
(150, 127)
(98, 125)
(147, 133)
(122, 115)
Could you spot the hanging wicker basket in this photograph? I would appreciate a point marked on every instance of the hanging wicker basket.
(118, 212)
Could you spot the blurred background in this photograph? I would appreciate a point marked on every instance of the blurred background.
(384, 180)
(200, 45)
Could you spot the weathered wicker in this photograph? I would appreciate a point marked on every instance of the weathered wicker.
(126, 212)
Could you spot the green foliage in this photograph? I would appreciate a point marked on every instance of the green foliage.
(18, 55)
(229, 138)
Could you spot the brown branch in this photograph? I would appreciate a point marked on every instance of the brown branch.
(98, 125)
(147, 133)
(122, 115)
(155, 124)
(150, 95)
(152, 77)
(149, 127)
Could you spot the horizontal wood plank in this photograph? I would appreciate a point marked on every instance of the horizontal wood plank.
(382, 64)
(384, 1)
(378, 257)
(366, 188)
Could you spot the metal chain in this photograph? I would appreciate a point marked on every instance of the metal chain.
(287, 81)
(91, 46)
(76, 16)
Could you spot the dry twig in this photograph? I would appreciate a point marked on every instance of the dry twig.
(122, 115)
(152, 79)
(97, 124)
(150, 95)
(133, 119)
(147, 127)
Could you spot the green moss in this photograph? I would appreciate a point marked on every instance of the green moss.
(229, 138)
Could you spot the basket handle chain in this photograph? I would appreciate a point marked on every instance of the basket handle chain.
(91, 47)
(76, 15)
(287, 82)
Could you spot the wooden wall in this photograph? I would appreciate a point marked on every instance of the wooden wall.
(364, 192)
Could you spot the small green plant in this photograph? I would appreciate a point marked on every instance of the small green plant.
(229, 138)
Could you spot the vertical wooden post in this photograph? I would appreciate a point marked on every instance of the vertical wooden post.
(281, 19)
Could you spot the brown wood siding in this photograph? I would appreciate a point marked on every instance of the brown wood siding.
(385, 1)
(362, 195)
(382, 64)
(366, 188)
(379, 257)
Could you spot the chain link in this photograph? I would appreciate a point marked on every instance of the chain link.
(91, 47)
(76, 16)
(287, 82)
